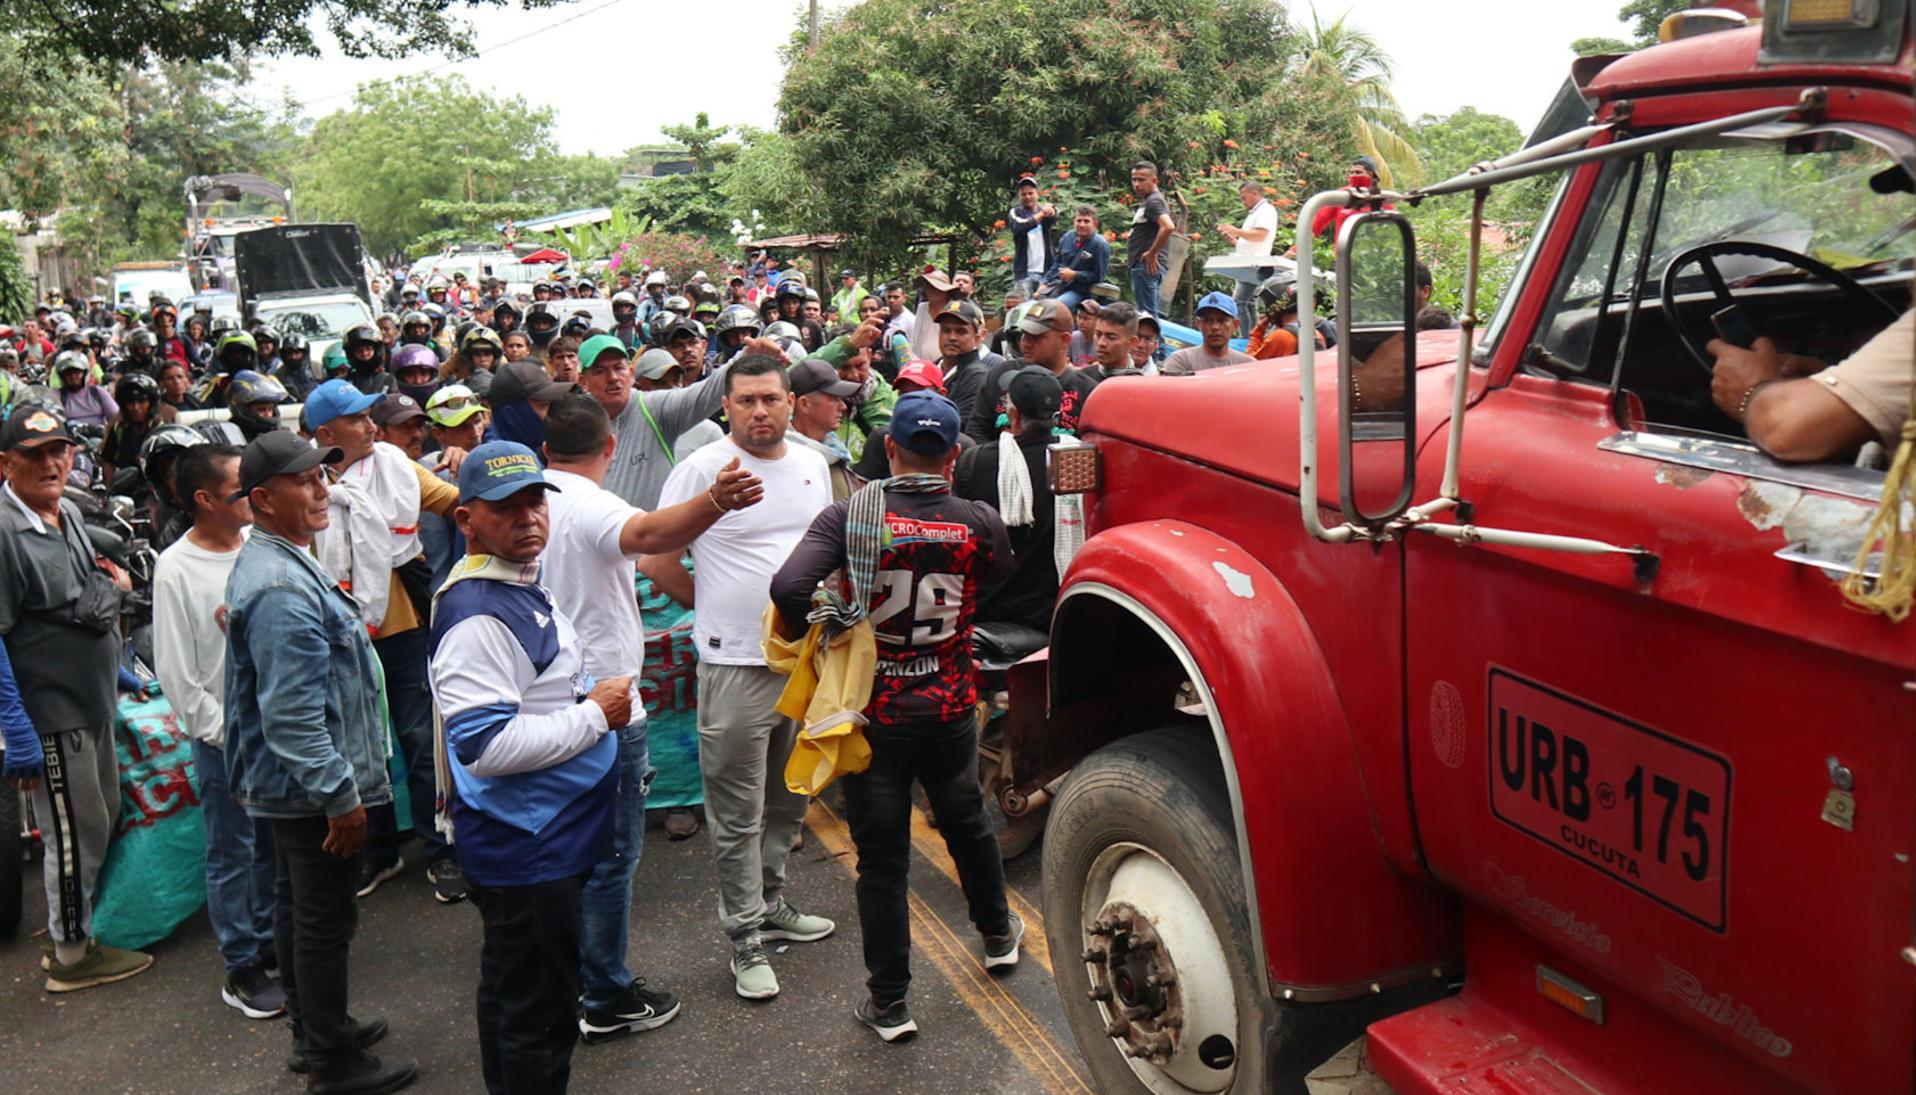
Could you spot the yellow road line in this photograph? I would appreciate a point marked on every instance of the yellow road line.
(1008, 1020)
(932, 847)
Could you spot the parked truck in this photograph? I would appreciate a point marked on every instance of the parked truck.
(1551, 752)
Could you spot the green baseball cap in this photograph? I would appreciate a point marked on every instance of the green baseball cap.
(598, 345)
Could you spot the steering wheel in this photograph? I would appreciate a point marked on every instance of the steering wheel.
(1702, 254)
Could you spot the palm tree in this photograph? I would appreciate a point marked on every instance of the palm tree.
(1352, 55)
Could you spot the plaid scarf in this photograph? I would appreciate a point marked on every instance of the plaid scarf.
(864, 539)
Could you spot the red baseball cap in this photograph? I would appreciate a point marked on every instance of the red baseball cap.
(924, 374)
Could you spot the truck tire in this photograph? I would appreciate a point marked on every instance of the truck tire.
(1149, 930)
(12, 861)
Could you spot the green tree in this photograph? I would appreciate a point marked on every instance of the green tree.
(1597, 47)
(701, 140)
(1645, 16)
(912, 116)
(1455, 142)
(1337, 48)
(1451, 144)
(407, 162)
(137, 33)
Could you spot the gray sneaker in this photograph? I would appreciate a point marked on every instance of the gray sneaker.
(1001, 951)
(752, 972)
(890, 1023)
(782, 921)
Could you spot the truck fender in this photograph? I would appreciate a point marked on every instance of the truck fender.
(1330, 916)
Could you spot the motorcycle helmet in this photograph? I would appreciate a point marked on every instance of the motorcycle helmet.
(793, 349)
(789, 289)
(812, 297)
(542, 322)
(576, 327)
(484, 337)
(416, 368)
(501, 311)
(415, 327)
(656, 327)
(292, 344)
(157, 453)
(656, 277)
(737, 317)
(265, 333)
(783, 330)
(435, 317)
(705, 310)
(216, 432)
(1277, 294)
(254, 401)
(680, 305)
(625, 306)
(703, 291)
(222, 325)
(140, 343)
(134, 387)
(235, 351)
(67, 361)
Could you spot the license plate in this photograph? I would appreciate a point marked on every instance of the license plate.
(1650, 810)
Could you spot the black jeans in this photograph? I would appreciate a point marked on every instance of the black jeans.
(409, 699)
(529, 985)
(312, 932)
(944, 760)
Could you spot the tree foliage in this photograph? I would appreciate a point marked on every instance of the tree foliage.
(916, 115)
(1451, 144)
(1340, 50)
(403, 146)
(137, 33)
(1645, 16)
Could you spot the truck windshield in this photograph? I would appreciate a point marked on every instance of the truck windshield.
(1838, 197)
(315, 321)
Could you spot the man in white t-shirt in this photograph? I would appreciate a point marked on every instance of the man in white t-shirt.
(189, 653)
(595, 536)
(1254, 241)
(743, 741)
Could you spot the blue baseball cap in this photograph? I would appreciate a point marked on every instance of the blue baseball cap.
(1218, 302)
(925, 422)
(336, 399)
(499, 469)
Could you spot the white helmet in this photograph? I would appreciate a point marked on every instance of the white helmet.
(656, 277)
(624, 296)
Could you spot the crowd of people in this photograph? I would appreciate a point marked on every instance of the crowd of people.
(429, 542)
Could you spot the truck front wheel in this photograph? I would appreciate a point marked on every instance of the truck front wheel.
(1149, 930)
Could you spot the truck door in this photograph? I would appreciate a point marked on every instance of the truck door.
(1699, 784)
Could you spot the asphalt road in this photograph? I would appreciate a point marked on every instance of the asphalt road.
(416, 963)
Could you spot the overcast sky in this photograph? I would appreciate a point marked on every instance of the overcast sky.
(613, 71)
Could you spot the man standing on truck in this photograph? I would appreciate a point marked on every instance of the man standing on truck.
(908, 541)
(1151, 228)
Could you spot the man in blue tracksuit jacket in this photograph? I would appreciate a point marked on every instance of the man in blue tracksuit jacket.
(531, 773)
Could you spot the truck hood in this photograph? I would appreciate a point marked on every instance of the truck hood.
(1244, 418)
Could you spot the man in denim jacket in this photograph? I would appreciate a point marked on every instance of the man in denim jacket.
(306, 751)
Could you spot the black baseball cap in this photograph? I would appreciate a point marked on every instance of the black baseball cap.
(962, 309)
(1034, 391)
(396, 407)
(278, 452)
(525, 380)
(814, 375)
(32, 425)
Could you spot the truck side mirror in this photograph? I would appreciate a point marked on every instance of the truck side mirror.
(1376, 365)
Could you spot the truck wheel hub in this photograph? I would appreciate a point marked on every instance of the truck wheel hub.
(1158, 973)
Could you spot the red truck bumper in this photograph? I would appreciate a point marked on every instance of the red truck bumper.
(1501, 1035)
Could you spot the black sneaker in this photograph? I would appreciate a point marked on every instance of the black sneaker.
(372, 874)
(892, 1022)
(256, 995)
(641, 1009)
(365, 1034)
(362, 1074)
(448, 881)
(1002, 950)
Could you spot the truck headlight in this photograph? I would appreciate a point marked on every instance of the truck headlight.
(1072, 466)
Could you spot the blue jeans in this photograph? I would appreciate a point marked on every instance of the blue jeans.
(1144, 287)
(241, 875)
(1246, 300)
(409, 703)
(1071, 298)
(1029, 284)
(607, 904)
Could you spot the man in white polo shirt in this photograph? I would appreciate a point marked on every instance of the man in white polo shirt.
(743, 741)
(1254, 241)
(589, 573)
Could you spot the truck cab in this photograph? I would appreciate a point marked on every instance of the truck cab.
(1552, 752)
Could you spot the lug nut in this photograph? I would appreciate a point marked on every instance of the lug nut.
(1098, 993)
(1095, 954)
(1116, 1027)
(1161, 978)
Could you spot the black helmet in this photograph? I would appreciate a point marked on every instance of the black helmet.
(140, 341)
(789, 288)
(136, 386)
(656, 327)
(294, 343)
(705, 291)
(265, 333)
(1278, 293)
(505, 306)
(235, 351)
(219, 433)
(576, 327)
(414, 317)
(542, 316)
(158, 451)
(362, 334)
(221, 325)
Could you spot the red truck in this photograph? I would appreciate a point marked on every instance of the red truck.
(1581, 774)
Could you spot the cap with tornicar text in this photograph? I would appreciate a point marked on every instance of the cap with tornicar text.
(599, 345)
(962, 309)
(1034, 391)
(925, 422)
(1217, 302)
(396, 407)
(654, 363)
(35, 424)
(336, 399)
(280, 452)
(814, 376)
(1048, 314)
(497, 470)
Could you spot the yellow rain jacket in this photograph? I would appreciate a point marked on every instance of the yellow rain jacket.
(827, 692)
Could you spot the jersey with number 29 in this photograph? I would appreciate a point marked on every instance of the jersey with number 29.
(939, 552)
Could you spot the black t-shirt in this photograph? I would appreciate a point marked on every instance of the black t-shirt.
(941, 553)
(1027, 594)
(992, 400)
(1144, 225)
